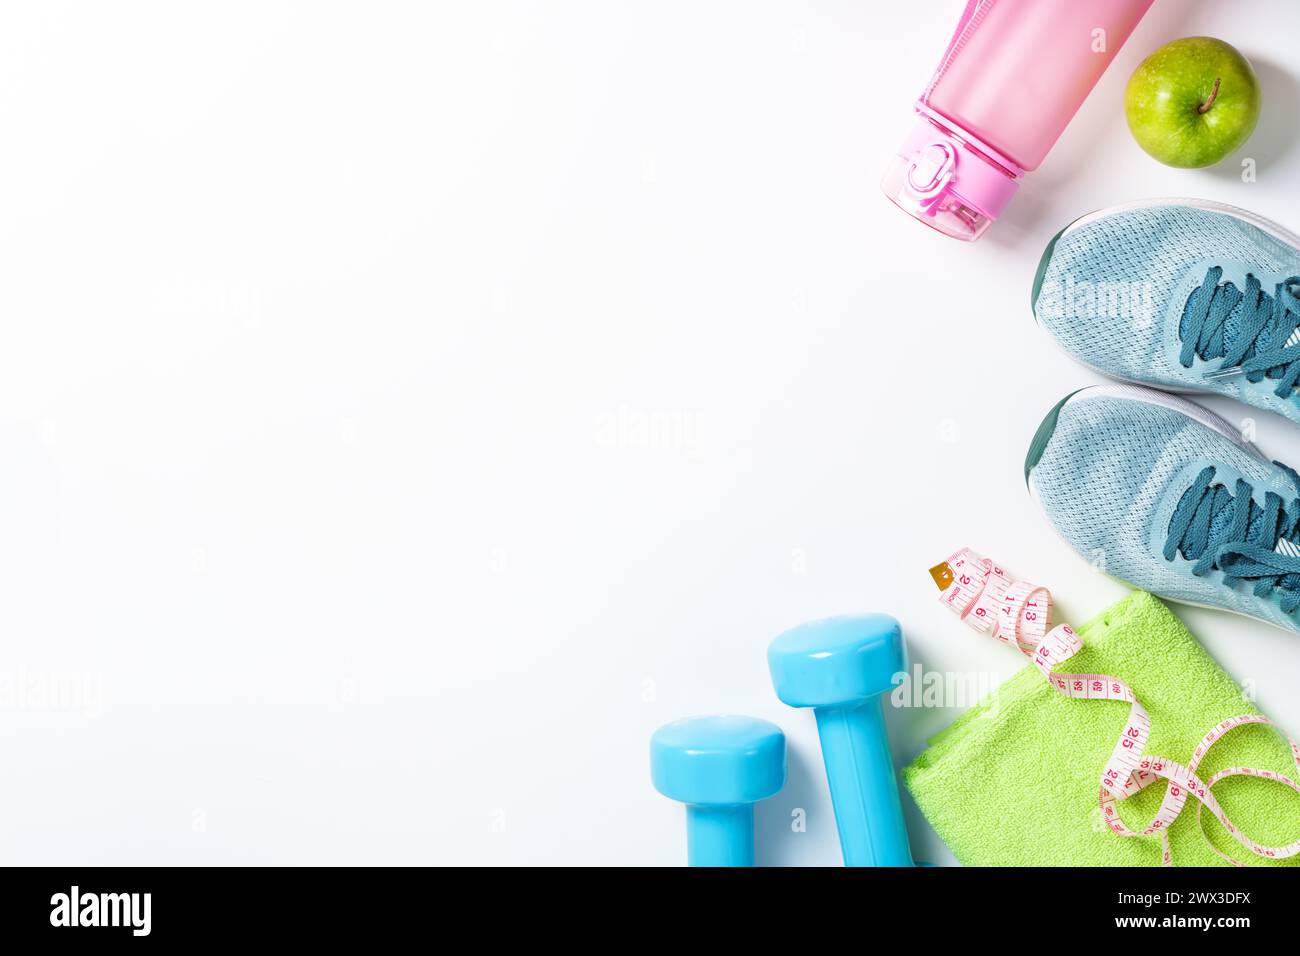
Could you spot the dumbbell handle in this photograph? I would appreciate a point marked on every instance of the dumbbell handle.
(864, 793)
(720, 836)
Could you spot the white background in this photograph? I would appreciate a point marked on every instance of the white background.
(329, 529)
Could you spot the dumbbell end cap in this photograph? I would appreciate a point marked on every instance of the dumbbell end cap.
(722, 760)
(837, 661)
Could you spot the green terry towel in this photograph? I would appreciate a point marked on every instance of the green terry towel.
(1014, 781)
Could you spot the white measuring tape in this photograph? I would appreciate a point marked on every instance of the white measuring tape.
(1019, 614)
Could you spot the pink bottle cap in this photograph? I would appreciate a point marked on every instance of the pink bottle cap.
(948, 180)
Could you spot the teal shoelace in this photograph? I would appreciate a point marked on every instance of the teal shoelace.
(1229, 532)
(1254, 333)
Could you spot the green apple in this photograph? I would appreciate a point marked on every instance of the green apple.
(1192, 102)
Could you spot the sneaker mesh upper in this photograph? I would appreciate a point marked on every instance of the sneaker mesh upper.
(1109, 463)
(1115, 286)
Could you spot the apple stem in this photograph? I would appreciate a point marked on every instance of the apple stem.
(1214, 94)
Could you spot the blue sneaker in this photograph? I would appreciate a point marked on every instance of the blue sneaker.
(1167, 496)
(1184, 294)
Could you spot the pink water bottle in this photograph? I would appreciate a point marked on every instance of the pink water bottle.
(1013, 75)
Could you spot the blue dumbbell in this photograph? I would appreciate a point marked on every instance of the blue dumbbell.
(841, 667)
(719, 767)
